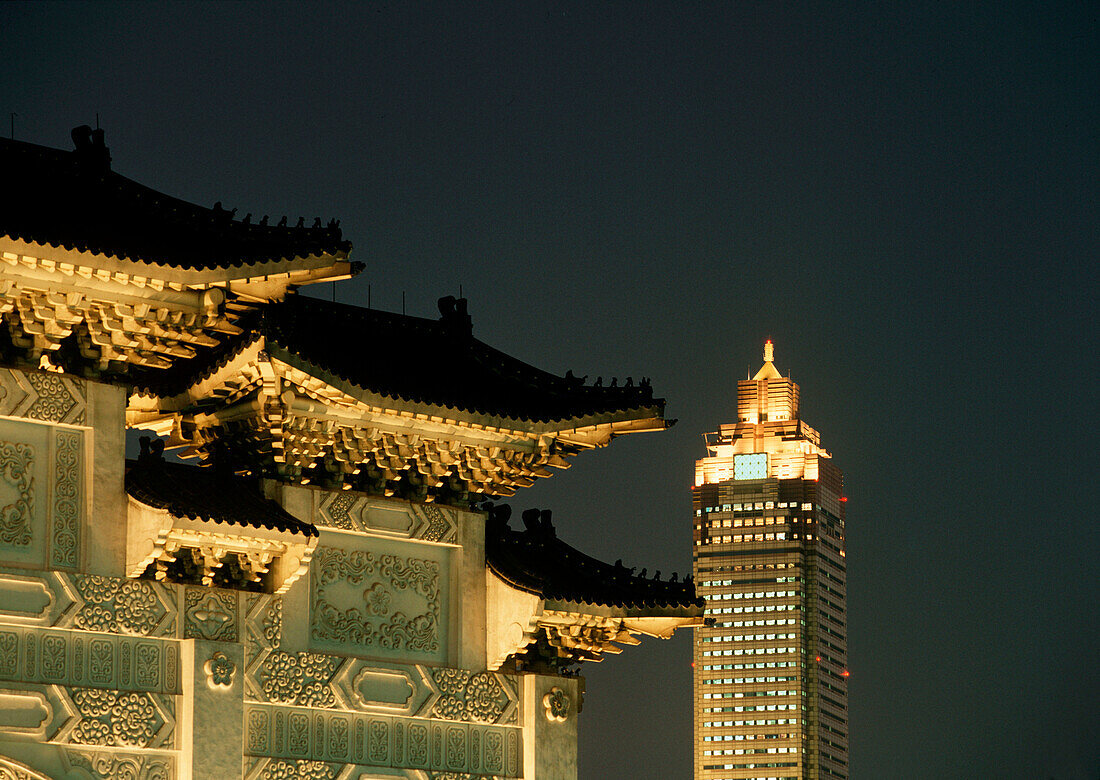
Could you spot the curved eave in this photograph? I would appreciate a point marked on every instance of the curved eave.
(336, 262)
(186, 520)
(634, 420)
(688, 612)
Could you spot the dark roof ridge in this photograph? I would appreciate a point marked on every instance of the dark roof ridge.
(103, 212)
(204, 493)
(536, 561)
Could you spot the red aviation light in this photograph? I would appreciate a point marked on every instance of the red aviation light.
(844, 499)
(818, 659)
(845, 673)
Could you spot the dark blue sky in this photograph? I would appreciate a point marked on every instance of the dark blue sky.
(902, 195)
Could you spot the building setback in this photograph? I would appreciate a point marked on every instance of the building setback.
(329, 590)
(771, 693)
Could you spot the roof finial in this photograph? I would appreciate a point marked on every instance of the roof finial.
(769, 351)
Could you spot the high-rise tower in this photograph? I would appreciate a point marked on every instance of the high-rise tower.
(771, 693)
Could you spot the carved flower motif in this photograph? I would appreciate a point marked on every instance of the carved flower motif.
(378, 599)
(483, 698)
(315, 770)
(556, 703)
(136, 608)
(94, 702)
(317, 694)
(273, 622)
(92, 732)
(451, 681)
(97, 589)
(281, 677)
(316, 665)
(450, 707)
(93, 617)
(220, 670)
(132, 719)
(280, 770)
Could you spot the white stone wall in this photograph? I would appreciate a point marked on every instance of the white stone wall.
(372, 665)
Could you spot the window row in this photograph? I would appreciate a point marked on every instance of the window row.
(748, 737)
(761, 608)
(748, 694)
(755, 708)
(758, 722)
(742, 680)
(750, 506)
(752, 651)
(752, 624)
(739, 538)
(760, 594)
(749, 567)
(748, 522)
(750, 751)
(723, 583)
(758, 665)
(749, 637)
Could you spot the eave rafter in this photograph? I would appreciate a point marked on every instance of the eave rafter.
(285, 421)
(129, 312)
(115, 316)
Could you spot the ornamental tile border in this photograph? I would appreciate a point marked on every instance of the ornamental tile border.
(348, 511)
(333, 682)
(33, 655)
(68, 496)
(300, 734)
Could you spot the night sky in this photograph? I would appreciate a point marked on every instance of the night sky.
(903, 196)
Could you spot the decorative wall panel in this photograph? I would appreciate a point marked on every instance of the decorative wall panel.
(123, 766)
(41, 494)
(120, 719)
(25, 472)
(42, 395)
(381, 599)
(124, 606)
(63, 715)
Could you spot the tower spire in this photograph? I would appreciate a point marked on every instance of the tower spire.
(768, 370)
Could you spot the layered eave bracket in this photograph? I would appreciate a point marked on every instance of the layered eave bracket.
(199, 525)
(543, 590)
(101, 274)
(338, 395)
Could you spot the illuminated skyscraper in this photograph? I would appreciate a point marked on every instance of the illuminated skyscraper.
(771, 696)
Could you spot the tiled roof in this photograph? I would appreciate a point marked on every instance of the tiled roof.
(536, 561)
(415, 360)
(205, 494)
(72, 199)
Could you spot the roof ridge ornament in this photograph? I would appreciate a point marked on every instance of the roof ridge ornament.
(769, 351)
(453, 315)
(90, 149)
